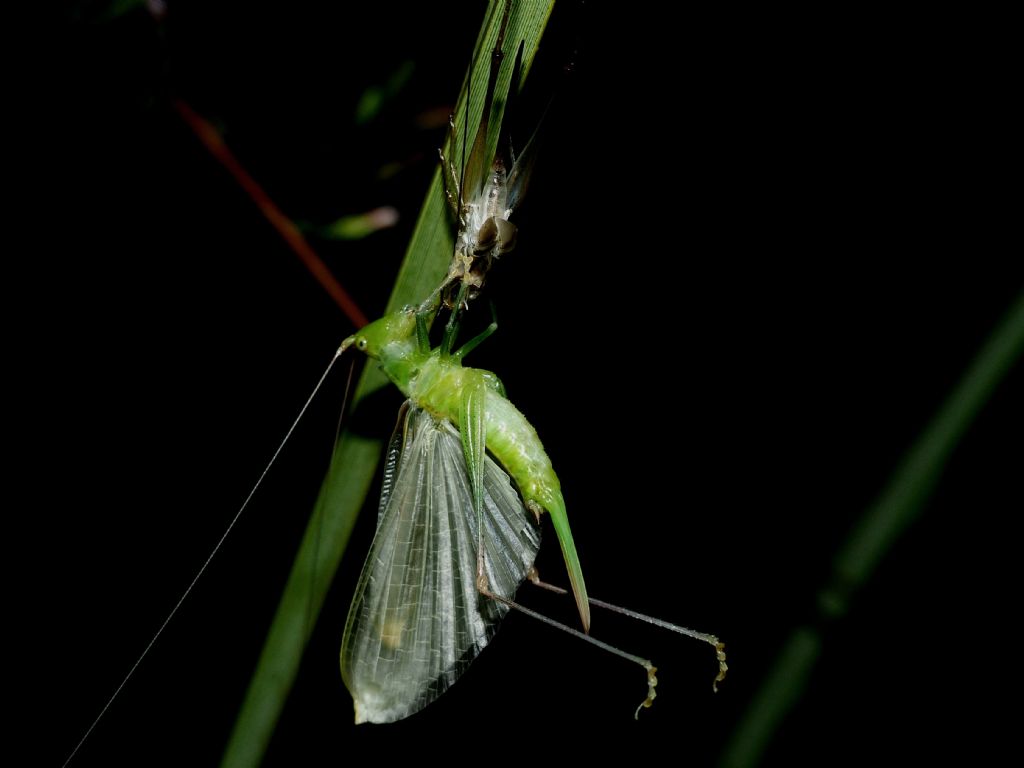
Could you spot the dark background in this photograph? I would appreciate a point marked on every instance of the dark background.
(757, 254)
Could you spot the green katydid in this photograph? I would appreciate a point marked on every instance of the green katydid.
(453, 541)
(454, 538)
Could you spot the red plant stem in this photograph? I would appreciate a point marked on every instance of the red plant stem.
(213, 142)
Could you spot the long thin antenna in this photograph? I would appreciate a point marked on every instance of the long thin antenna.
(206, 563)
(310, 610)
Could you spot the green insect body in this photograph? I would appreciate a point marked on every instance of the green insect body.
(454, 538)
(473, 399)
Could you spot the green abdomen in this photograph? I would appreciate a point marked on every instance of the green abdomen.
(514, 442)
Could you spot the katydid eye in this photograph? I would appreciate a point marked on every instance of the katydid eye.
(361, 343)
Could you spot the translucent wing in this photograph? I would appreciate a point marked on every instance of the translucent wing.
(417, 620)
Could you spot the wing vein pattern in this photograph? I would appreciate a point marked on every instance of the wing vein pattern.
(417, 620)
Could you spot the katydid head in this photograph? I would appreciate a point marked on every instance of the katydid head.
(385, 337)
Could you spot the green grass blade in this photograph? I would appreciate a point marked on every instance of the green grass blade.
(355, 459)
(880, 526)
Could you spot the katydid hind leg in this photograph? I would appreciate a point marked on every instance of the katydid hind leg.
(474, 398)
(712, 640)
(649, 668)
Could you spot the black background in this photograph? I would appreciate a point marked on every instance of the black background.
(758, 252)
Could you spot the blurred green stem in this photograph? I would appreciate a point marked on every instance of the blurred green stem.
(873, 536)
